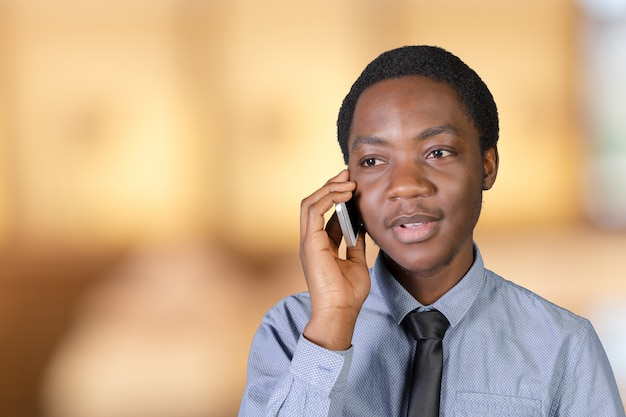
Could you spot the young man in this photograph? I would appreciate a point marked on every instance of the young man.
(418, 131)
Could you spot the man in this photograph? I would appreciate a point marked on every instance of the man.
(418, 131)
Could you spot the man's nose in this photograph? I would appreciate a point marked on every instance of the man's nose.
(409, 180)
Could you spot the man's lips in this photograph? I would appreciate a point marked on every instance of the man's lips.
(414, 228)
(412, 220)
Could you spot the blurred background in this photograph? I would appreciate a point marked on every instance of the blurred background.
(153, 156)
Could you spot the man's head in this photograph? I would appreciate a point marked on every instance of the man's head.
(419, 132)
(434, 63)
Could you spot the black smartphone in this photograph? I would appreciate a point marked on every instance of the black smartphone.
(349, 220)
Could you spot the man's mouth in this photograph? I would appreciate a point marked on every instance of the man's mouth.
(413, 220)
(414, 232)
(408, 225)
(414, 228)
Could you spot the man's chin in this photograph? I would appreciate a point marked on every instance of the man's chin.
(418, 264)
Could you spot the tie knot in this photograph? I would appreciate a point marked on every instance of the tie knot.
(426, 324)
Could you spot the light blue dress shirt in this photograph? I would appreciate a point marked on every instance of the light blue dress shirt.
(507, 352)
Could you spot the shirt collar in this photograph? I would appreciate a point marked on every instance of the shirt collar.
(453, 304)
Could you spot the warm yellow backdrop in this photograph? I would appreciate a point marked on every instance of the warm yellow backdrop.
(132, 121)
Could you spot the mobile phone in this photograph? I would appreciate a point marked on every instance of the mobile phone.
(349, 220)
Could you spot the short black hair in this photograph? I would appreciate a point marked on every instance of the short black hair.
(437, 64)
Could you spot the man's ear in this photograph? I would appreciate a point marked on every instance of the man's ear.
(490, 167)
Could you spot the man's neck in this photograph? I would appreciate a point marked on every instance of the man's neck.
(428, 286)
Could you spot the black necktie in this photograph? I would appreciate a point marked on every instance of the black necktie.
(427, 328)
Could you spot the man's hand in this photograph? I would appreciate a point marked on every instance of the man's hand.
(338, 287)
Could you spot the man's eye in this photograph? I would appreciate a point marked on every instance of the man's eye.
(439, 153)
(370, 162)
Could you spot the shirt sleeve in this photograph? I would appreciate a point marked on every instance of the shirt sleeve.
(290, 376)
(588, 386)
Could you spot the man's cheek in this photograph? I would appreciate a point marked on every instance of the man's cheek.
(367, 209)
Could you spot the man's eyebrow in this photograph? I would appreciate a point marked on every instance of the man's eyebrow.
(437, 130)
(368, 140)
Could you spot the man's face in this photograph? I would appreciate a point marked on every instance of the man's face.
(415, 157)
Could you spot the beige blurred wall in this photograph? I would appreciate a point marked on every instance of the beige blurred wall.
(133, 121)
